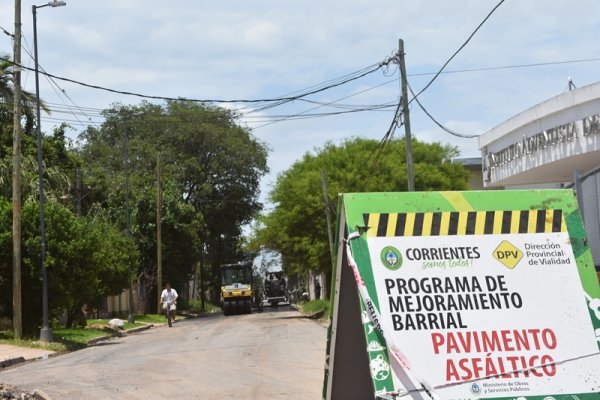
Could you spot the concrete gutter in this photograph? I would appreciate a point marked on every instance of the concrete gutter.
(11, 355)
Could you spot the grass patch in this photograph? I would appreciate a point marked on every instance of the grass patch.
(150, 318)
(6, 337)
(315, 306)
(70, 339)
(77, 338)
(195, 306)
(141, 319)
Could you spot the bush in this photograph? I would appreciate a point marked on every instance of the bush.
(194, 306)
(316, 306)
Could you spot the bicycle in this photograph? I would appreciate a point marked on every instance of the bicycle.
(169, 307)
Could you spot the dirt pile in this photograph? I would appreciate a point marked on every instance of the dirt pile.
(9, 392)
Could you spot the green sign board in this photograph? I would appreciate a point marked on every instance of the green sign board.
(463, 295)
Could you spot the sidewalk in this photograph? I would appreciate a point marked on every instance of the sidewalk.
(11, 355)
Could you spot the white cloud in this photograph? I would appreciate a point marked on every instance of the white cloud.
(266, 48)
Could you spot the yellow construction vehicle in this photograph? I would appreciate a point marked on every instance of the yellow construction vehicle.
(236, 288)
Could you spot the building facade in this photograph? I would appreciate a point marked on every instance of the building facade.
(553, 144)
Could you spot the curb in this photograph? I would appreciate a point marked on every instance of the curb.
(317, 316)
(11, 361)
(117, 334)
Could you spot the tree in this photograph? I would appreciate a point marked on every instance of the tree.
(12, 101)
(87, 259)
(296, 227)
(5, 260)
(28, 102)
(211, 172)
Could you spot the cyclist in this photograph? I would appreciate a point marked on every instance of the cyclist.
(169, 295)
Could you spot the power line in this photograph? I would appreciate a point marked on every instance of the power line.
(384, 63)
(274, 102)
(416, 96)
(335, 81)
(459, 49)
(436, 122)
(394, 124)
(322, 105)
(58, 109)
(513, 66)
(52, 82)
(167, 98)
(7, 33)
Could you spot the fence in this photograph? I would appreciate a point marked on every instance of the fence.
(587, 187)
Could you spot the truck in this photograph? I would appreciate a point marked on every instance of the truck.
(275, 288)
(236, 288)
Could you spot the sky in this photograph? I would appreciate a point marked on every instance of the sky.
(270, 48)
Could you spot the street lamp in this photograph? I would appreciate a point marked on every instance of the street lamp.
(46, 332)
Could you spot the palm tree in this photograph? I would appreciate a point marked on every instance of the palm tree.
(7, 90)
(56, 181)
(5, 78)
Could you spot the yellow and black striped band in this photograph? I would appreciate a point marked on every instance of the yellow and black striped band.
(453, 223)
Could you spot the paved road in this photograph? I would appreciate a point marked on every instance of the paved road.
(272, 355)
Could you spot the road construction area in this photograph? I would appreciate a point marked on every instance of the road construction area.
(276, 354)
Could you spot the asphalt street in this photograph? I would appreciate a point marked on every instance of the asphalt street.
(276, 354)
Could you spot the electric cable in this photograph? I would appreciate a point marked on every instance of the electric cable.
(221, 101)
(510, 66)
(459, 49)
(7, 33)
(389, 134)
(314, 108)
(461, 135)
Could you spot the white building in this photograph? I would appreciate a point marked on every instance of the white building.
(546, 143)
(553, 144)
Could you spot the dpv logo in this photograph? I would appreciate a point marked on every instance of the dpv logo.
(508, 254)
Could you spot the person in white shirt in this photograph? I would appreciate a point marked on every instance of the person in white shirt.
(168, 295)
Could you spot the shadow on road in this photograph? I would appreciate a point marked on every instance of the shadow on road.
(281, 308)
(299, 316)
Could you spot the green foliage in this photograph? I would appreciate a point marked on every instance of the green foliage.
(6, 111)
(316, 306)
(6, 259)
(60, 164)
(32, 341)
(297, 229)
(85, 259)
(196, 306)
(210, 172)
(28, 103)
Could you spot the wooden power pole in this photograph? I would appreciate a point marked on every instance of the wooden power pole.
(158, 231)
(404, 104)
(328, 215)
(329, 227)
(16, 178)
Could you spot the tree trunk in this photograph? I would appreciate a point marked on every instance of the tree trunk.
(75, 315)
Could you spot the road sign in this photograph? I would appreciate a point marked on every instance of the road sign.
(463, 295)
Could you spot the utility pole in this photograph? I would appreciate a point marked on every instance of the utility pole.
(158, 231)
(202, 278)
(404, 104)
(329, 231)
(16, 178)
(78, 190)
